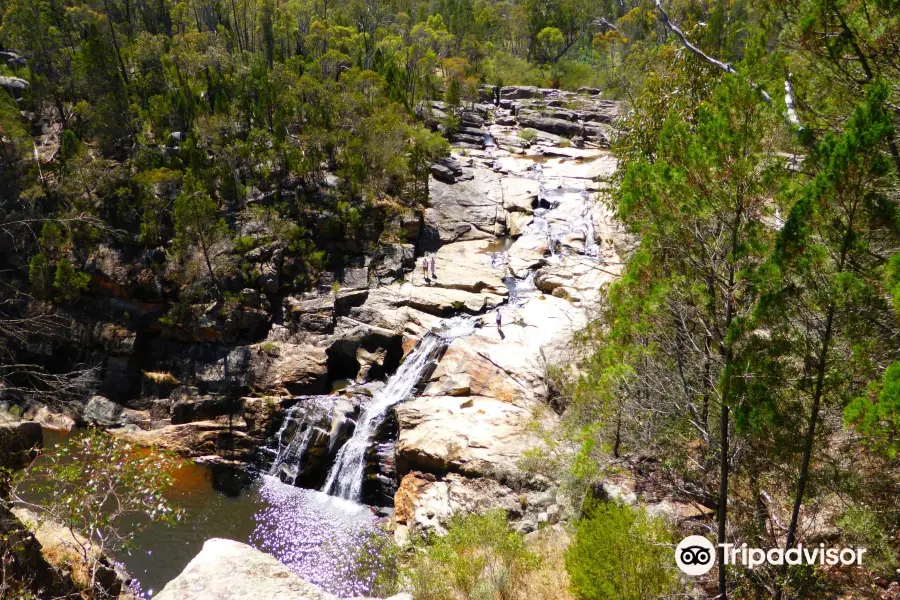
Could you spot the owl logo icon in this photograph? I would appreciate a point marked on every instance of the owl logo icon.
(695, 555)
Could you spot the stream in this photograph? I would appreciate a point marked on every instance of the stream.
(321, 534)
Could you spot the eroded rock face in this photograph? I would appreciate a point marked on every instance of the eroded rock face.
(461, 442)
(295, 368)
(224, 436)
(425, 503)
(466, 210)
(229, 570)
(473, 435)
(515, 224)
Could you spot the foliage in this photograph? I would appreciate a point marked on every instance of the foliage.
(479, 557)
(528, 135)
(620, 553)
(198, 226)
(104, 489)
(861, 528)
(377, 561)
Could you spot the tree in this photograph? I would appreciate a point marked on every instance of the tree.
(198, 226)
(827, 307)
(551, 43)
(674, 327)
(102, 490)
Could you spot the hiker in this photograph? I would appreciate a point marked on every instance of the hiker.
(425, 266)
(432, 266)
(499, 319)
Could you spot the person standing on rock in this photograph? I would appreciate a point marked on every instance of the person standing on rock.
(432, 266)
(499, 320)
(425, 267)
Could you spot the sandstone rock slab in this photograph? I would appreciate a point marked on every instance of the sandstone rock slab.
(229, 570)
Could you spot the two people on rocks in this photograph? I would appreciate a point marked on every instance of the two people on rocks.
(428, 263)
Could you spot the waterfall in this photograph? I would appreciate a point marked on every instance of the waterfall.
(591, 247)
(346, 476)
(289, 456)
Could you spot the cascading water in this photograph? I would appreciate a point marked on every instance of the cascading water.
(289, 456)
(346, 476)
(591, 247)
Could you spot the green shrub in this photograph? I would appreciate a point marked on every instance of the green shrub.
(376, 561)
(479, 558)
(69, 282)
(621, 554)
(511, 70)
(861, 527)
(528, 135)
(244, 244)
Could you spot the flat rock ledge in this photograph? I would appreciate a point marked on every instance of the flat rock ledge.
(230, 570)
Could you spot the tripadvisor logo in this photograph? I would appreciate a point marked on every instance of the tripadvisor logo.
(696, 555)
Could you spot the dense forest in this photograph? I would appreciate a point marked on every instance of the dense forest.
(746, 362)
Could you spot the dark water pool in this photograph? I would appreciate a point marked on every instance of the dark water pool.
(319, 537)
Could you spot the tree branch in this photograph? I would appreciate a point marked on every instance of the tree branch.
(791, 116)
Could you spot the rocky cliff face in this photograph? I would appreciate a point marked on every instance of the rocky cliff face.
(514, 226)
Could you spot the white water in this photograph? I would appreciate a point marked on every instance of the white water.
(289, 456)
(591, 247)
(346, 476)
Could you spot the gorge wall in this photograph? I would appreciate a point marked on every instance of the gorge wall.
(515, 227)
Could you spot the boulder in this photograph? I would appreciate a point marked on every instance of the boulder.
(354, 279)
(467, 140)
(516, 92)
(587, 167)
(229, 369)
(601, 111)
(18, 442)
(65, 547)
(363, 351)
(442, 173)
(13, 59)
(48, 419)
(229, 570)
(296, 368)
(392, 261)
(527, 253)
(537, 121)
(444, 302)
(519, 194)
(14, 86)
(425, 503)
(466, 266)
(311, 312)
(388, 308)
(465, 210)
(224, 436)
(105, 412)
(24, 561)
(187, 407)
(516, 222)
(474, 435)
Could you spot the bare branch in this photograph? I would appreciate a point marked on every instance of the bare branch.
(789, 102)
(790, 117)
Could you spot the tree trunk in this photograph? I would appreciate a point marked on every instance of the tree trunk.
(810, 438)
